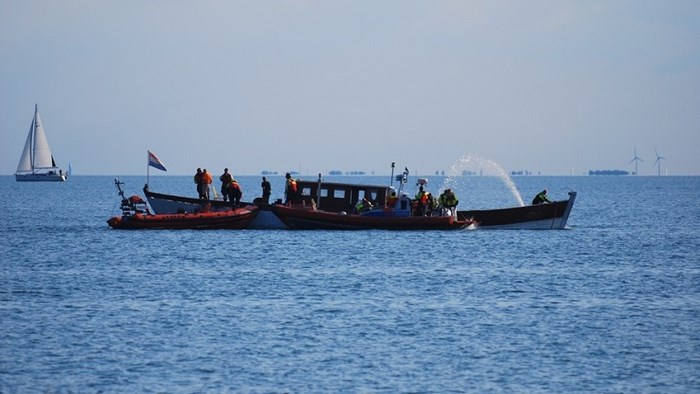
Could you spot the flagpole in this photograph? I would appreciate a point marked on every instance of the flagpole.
(148, 169)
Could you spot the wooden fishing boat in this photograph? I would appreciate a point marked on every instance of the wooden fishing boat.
(549, 216)
(136, 215)
(168, 203)
(161, 203)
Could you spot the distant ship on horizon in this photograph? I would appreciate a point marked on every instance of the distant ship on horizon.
(608, 172)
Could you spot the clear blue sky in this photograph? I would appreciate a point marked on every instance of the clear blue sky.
(546, 86)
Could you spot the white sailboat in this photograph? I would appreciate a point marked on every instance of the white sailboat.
(37, 163)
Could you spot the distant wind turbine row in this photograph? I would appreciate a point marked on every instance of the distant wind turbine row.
(636, 159)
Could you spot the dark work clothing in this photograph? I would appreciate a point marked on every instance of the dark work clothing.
(266, 191)
(540, 198)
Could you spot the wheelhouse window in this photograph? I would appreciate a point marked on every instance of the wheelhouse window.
(370, 195)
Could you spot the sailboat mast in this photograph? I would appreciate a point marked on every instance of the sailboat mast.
(32, 155)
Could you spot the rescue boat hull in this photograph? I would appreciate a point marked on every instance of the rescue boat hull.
(310, 219)
(234, 219)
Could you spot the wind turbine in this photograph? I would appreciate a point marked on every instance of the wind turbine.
(636, 161)
(658, 161)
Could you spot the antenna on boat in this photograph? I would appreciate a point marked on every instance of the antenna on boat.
(119, 184)
(392, 173)
(403, 180)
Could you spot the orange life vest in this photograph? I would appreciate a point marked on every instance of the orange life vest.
(424, 198)
(206, 178)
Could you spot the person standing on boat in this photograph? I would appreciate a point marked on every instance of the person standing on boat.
(432, 204)
(448, 200)
(421, 201)
(290, 190)
(266, 191)
(235, 193)
(198, 182)
(206, 182)
(541, 198)
(225, 179)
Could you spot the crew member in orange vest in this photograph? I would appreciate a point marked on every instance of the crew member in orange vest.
(235, 193)
(290, 190)
(421, 202)
(206, 181)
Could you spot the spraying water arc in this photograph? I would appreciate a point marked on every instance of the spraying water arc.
(484, 166)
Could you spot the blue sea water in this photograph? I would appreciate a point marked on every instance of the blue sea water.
(611, 304)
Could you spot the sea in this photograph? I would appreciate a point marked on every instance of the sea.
(610, 304)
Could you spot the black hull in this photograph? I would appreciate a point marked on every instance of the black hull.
(530, 217)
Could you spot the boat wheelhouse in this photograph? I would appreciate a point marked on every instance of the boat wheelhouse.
(338, 197)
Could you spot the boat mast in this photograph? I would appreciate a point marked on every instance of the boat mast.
(42, 158)
(148, 169)
(318, 192)
(392, 173)
(33, 138)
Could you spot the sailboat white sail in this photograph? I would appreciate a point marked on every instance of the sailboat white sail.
(37, 162)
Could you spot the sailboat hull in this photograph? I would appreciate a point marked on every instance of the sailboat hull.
(41, 177)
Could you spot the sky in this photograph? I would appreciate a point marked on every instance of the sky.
(552, 87)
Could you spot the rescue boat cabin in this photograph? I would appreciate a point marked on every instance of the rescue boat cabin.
(339, 197)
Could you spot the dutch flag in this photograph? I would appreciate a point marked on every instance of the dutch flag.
(154, 162)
